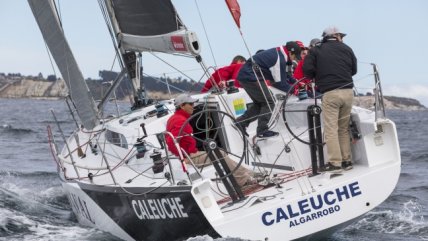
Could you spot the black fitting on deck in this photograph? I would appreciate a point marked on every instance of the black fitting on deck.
(315, 137)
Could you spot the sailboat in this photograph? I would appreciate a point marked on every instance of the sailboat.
(120, 177)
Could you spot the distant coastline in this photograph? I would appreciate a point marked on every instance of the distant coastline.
(36, 87)
(390, 103)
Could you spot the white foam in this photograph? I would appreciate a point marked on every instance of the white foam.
(51, 193)
(7, 217)
(6, 126)
(41, 231)
(408, 221)
(201, 238)
(63, 233)
(31, 194)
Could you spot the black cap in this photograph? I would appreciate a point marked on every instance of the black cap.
(293, 48)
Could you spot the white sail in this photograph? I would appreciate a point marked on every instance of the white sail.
(49, 24)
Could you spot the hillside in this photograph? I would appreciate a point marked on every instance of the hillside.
(17, 86)
(390, 102)
(33, 87)
(30, 88)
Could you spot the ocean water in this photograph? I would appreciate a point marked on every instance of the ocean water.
(34, 207)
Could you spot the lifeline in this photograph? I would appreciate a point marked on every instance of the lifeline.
(308, 205)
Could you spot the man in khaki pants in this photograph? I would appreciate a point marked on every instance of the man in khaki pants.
(332, 64)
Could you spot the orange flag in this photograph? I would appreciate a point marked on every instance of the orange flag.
(235, 10)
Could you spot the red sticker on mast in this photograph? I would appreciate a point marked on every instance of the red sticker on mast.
(178, 43)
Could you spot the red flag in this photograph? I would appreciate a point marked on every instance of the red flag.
(235, 10)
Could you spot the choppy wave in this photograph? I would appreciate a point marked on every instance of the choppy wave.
(401, 198)
(8, 128)
(408, 221)
(15, 225)
(52, 122)
(420, 157)
(12, 223)
(27, 174)
(37, 178)
(20, 189)
(419, 189)
(28, 212)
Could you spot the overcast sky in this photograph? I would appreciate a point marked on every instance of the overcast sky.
(390, 33)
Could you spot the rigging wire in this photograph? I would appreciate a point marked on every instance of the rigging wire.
(185, 70)
(170, 65)
(107, 21)
(58, 13)
(205, 31)
(114, 61)
(163, 82)
(50, 58)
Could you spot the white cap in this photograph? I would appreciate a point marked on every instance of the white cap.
(184, 98)
(331, 31)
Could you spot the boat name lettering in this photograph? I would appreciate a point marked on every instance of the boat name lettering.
(80, 208)
(308, 209)
(163, 208)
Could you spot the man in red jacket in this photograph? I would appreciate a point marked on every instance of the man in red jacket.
(184, 109)
(299, 75)
(229, 72)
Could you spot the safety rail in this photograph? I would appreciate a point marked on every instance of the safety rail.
(69, 157)
(70, 151)
(66, 143)
(379, 105)
(62, 159)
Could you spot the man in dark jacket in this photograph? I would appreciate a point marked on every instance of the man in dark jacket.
(332, 64)
(270, 65)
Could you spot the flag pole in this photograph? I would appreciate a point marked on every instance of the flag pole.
(235, 11)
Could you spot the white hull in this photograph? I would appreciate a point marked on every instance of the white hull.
(302, 206)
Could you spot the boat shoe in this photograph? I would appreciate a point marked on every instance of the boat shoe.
(347, 165)
(331, 168)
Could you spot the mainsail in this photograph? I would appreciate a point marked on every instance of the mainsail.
(49, 24)
(150, 25)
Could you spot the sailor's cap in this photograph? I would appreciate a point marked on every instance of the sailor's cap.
(332, 30)
(184, 98)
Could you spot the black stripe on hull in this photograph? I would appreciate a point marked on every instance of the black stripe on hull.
(167, 213)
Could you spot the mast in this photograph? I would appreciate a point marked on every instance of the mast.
(46, 17)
